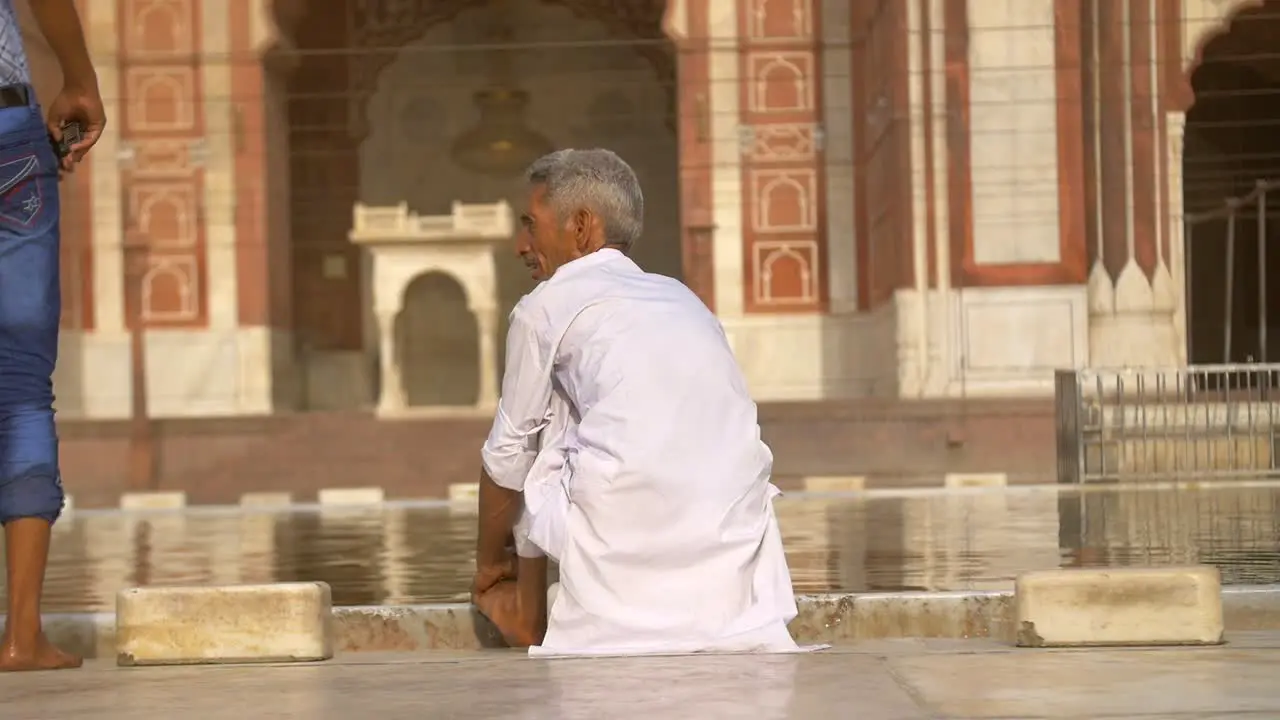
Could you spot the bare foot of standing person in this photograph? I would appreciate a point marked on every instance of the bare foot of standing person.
(24, 645)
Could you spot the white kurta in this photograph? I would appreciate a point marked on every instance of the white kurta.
(626, 422)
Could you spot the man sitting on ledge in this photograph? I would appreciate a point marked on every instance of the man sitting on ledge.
(625, 447)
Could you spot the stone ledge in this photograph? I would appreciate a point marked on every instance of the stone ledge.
(273, 500)
(133, 501)
(351, 497)
(834, 618)
(1119, 607)
(230, 624)
(834, 483)
(956, 481)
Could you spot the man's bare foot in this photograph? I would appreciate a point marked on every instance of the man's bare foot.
(501, 604)
(42, 656)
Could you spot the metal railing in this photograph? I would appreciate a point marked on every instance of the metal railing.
(1203, 422)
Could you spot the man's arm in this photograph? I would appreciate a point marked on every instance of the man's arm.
(499, 513)
(79, 101)
(512, 445)
(60, 25)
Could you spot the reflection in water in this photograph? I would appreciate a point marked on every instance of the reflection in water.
(940, 541)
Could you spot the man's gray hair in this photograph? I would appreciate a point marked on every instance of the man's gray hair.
(596, 180)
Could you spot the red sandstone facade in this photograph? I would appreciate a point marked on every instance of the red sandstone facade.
(838, 198)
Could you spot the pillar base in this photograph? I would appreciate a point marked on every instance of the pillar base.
(197, 372)
(1134, 339)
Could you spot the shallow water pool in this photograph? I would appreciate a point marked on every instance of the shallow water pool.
(934, 540)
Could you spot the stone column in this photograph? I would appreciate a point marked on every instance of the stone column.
(250, 204)
(1176, 248)
(101, 21)
(487, 324)
(391, 398)
(1110, 73)
(780, 80)
(1130, 289)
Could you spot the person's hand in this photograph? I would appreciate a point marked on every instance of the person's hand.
(496, 596)
(82, 105)
(489, 575)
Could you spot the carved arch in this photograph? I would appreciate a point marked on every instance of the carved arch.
(639, 20)
(278, 20)
(1229, 13)
(473, 293)
(383, 26)
(1222, 20)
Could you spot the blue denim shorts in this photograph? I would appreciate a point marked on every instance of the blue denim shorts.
(30, 306)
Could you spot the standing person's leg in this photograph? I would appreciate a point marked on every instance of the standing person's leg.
(30, 304)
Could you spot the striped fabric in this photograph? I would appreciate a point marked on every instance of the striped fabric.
(13, 58)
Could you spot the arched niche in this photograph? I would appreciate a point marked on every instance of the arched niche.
(437, 343)
(401, 246)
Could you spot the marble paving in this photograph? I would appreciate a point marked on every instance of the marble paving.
(877, 680)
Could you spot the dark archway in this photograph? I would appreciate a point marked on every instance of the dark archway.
(339, 54)
(1233, 143)
(438, 343)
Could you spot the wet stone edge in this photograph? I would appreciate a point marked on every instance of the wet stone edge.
(831, 618)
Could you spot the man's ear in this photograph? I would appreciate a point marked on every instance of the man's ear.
(583, 228)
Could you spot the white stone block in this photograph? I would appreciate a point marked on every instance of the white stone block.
(832, 484)
(464, 492)
(1119, 606)
(351, 496)
(176, 500)
(266, 499)
(231, 624)
(955, 481)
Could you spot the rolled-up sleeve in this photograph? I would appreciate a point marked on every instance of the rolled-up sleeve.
(512, 444)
